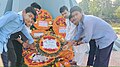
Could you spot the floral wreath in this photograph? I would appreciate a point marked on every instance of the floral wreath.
(59, 26)
(50, 52)
(44, 20)
(34, 59)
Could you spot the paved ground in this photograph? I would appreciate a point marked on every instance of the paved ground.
(114, 60)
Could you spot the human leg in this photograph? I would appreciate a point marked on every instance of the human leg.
(103, 56)
(92, 52)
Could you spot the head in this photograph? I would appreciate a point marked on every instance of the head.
(64, 11)
(36, 6)
(76, 14)
(29, 16)
(70, 18)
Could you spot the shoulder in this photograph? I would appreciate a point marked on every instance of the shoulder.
(11, 13)
(90, 18)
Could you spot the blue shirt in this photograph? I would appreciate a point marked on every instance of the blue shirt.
(96, 28)
(10, 23)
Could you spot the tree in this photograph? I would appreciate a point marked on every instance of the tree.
(94, 7)
(84, 5)
(117, 12)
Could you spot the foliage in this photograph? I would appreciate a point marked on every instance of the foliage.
(94, 7)
(105, 9)
(116, 27)
(117, 12)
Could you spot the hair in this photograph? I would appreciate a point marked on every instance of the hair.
(32, 10)
(70, 16)
(35, 5)
(63, 8)
(75, 8)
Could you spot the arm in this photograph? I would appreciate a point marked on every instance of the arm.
(7, 17)
(25, 44)
(1, 61)
(88, 31)
(78, 33)
(20, 41)
(77, 36)
(27, 34)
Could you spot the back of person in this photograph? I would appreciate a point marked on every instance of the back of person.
(10, 28)
(102, 31)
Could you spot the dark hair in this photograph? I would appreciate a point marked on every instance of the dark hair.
(35, 5)
(32, 10)
(63, 8)
(75, 8)
(70, 16)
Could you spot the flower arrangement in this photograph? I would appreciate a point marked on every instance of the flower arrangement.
(59, 26)
(44, 20)
(35, 59)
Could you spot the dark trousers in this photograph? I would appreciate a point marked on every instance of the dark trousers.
(11, 54)
(92, 52)
(103, 56)
(15, 50)
(18, 52)
(4, 57)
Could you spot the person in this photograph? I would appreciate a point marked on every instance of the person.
(36, 6)
(70, 27)
(19, 40)
(94, 28)
(11, 22)
(70, 33)
(92, 53)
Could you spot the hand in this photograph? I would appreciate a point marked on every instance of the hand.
(68, 44)
(25, 45)
(32, 46)
(79, 42)
(75, 43)
(65, 47)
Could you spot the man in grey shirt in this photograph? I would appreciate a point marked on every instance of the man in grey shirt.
(97, 29)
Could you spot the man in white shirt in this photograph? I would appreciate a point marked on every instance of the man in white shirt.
(71, 30)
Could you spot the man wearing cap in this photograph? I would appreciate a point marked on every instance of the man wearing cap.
(96, 29)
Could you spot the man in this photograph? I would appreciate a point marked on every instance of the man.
(36, 6)
(11, 22)
(96, 29)
(70, 33)
(19, 40)
(70, 27)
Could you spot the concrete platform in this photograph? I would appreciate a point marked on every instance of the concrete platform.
(114, 59)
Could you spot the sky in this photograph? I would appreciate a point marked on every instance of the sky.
(91, 0)
(78, 1)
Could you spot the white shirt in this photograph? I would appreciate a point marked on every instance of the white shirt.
(70, 30)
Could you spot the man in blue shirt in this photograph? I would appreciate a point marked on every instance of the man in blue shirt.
(15, 49)
(11, 22)
(96, 29)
